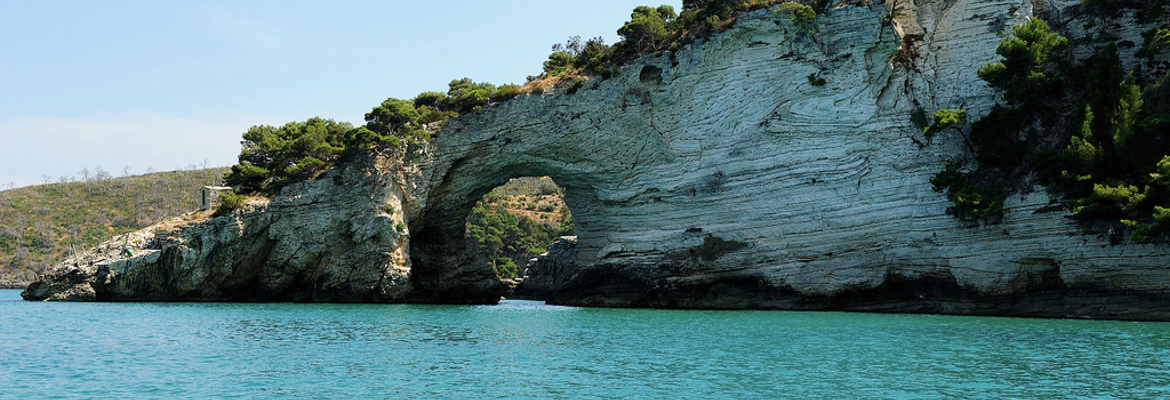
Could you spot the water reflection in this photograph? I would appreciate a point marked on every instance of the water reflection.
(524, 349)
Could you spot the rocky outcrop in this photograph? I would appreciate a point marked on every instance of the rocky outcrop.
(723, 175)
(546, 275)
(339, 238)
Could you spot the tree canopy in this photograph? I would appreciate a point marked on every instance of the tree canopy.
(275, 156)
(1026, 73)
(649, 28)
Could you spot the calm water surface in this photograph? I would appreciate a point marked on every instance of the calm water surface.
(529, 350)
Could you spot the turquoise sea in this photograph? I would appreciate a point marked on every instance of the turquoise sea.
(528, 350)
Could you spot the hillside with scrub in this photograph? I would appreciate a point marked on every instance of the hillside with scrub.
(40, 225)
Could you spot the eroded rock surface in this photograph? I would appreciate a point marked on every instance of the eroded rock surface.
(334, 239)
(547, 274)
(717, 176)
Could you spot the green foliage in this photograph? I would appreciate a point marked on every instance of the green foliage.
(465, 95)
(579, 57)
(1149, 232)
(1125, 118)
(978, 203)
(594, 56)
(973, 203)
(649, 28)
(558, 62)
(1110, 200)
(503, 236)
(497, 233)
(505, 268)
(802, 15)
(273, 157)
(505, 93)
(429, 99)
(1026, 74)
(949, 179)
(395, 117)
(229, 201)
(39, 223)
(945, 119)
(1154, 41)
(1081, 158)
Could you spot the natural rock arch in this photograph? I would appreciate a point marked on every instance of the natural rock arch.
(716, 176)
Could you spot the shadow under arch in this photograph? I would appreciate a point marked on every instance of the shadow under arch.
(443, 267)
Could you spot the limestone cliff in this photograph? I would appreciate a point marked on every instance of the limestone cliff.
(334, 239)
(716, 176)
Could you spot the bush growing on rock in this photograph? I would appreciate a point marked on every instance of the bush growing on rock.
(1026, 74)
(1102, 162)
(273, 157)
(945, 119)
(649, 28)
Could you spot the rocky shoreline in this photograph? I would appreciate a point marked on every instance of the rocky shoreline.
(715, 176)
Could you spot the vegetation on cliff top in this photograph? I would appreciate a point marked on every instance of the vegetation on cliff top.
(1112, 165)
(39, 223)
(273, 157)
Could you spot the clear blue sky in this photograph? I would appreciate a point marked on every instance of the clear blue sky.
(167, 84)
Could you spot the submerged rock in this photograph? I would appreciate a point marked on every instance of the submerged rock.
(717, 176)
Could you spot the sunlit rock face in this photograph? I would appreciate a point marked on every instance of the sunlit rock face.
(722, 175)
(335, 239)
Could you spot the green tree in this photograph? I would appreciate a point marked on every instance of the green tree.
(1026, 74)
(558, 62)
(465, 95)
(273, 157)
(1081, 158)
(395, 117)
(1125, 116)
(593, 56)
(649, 28)
(1154, 41)
(945, 119)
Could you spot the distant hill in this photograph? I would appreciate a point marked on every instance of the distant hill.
(39, 223)
(517, 221)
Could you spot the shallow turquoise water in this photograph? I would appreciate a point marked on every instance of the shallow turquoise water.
(528, 350)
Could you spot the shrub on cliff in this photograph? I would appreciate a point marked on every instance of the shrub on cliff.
(273, 157)
(465, 95)
(649, 28)
(945, 119)
(1026, 75)
(228, 202)
(1102, 162)
(395, 117)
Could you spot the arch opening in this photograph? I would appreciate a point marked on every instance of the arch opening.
(516, 222)
(478, 241)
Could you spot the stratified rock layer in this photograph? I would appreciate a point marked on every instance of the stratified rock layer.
(722, 175)
(547, 274)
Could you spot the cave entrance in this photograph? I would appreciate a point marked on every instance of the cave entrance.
(516, 222)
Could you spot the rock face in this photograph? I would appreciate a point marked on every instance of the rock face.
(547, 274)
(718, 176)
(333, 239)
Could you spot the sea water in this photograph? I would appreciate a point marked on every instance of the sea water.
(528, 350)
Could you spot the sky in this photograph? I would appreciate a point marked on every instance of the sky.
(140, 86)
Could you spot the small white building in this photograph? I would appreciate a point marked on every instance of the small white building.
(209, 196)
